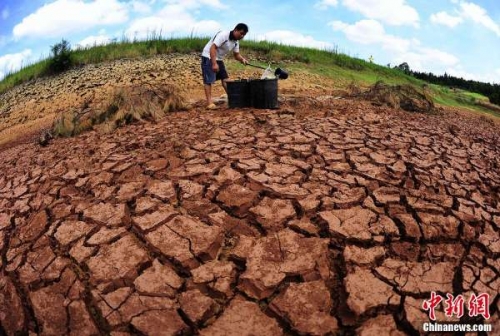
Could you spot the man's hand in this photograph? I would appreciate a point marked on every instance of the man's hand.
(244, 61)
(215, 67)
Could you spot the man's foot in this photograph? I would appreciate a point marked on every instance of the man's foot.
(211, 107)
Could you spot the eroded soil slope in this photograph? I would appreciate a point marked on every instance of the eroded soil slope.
(326, 216)
(27, 109)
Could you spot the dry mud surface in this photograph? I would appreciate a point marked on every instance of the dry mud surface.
(327, 216)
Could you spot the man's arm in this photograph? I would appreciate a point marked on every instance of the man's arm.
(238, 57)
(213, 57)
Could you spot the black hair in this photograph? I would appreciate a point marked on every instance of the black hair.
(241, 26)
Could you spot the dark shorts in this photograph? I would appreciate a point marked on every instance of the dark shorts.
(209, 76)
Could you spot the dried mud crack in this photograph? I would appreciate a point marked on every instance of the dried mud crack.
(340, 218)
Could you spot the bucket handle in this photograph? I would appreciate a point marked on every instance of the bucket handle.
(282, 74)
(256, 66)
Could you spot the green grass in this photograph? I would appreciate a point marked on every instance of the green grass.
(364, 77)
(27, 73)
(131, 49)
(475, 96)
(462, 99)
(113, 51)
(455, 98)
(342, 68)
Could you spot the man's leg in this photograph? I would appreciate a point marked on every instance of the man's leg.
(209, 77)
(222, 74)
(208, 93)
(224, 84)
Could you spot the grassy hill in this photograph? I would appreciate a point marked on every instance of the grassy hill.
(344, 70)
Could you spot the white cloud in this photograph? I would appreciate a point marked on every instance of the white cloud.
(371, 32)
(420, 58)
(427, 59)
(175, 18)
(203, 28)
(288, 37)
(467, 11)
(479, 15)
(141, 7)
(458, 71)
(170, 20)
(193, 4)
(5, 13)
(324, 4)
(393, 12)
(91, 41)
(446, 19)
(57, 19)
(13, 62)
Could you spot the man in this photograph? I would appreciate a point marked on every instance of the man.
(212, 66)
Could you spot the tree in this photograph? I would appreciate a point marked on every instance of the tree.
(61, 59)
(404, 67)
(495, 98)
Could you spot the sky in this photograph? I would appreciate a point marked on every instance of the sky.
(460, 38)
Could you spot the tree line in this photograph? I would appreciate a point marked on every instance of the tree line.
(492, 91)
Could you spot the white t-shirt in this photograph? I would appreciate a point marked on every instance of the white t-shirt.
(223, 43)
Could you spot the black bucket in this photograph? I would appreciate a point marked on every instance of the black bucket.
(264, 93)
(238, 93)
(280, 73)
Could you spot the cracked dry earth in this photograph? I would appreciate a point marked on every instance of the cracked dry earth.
(341, 220)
